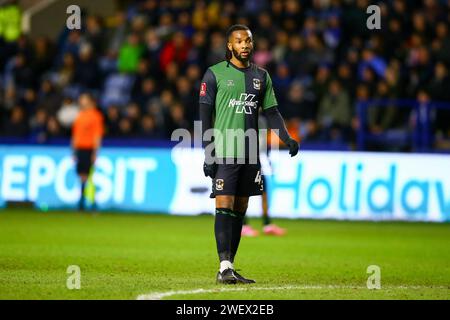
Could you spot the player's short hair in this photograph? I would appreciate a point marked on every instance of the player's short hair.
(233, 28)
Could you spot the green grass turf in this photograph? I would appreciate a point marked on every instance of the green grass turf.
(124, 255)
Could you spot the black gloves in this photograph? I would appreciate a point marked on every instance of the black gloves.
(210, 169)
(293, 146)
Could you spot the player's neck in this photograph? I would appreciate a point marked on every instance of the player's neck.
(239, 63)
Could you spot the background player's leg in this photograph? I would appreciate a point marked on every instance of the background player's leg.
(223, 229)
(248, 230)
(240, 208)
(83, 178)
(265, 209)
(268, 227)
(84, 158)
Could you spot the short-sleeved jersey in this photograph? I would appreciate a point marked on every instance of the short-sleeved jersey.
(87, 128)
(236, 94)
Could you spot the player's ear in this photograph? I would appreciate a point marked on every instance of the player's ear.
(230, 46)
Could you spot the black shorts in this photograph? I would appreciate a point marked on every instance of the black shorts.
(241, 180)
(84, 160)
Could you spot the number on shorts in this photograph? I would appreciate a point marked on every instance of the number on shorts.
(258, 177)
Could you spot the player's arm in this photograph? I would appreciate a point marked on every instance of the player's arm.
(207, 101)
(99, 130)
(275, 120)
(97, 144)
(98, 135)
(72, 139)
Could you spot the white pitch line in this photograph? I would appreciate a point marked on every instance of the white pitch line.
(161, 295)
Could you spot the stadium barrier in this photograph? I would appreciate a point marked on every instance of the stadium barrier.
(316, 184)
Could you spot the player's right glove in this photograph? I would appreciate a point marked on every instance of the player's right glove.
(293, 146)
(210, 169)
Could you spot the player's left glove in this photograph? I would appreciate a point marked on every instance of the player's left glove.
(293, 146)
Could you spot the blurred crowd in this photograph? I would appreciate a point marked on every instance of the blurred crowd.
(146, 62)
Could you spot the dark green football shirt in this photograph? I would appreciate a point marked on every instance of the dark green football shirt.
(236, 94)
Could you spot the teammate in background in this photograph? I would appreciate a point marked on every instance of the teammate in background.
(269, 228)
(232, 92)
(87, 132)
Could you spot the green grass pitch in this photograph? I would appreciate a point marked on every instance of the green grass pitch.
(122, 256)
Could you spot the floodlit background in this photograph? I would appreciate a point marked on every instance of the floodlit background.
(370, 107)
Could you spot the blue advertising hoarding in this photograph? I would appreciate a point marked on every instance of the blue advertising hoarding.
(316, 184)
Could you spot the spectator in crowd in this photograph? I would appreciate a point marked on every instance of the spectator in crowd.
(281, 80)
(95, 33)
(125, 128)
(335, 115)
(67, 113)
(197, 52)
(296, 56)
(42, 60)
(300, 108)
(129, 54)
(149, 129)
(133, 114)
(216, 50)
(322, 81)
(87, 73)
(146, 92)
(28, 101)
(10, 15)
(371, 61)
(38, 127)
(113, 121)
(16, 125)
(280, 46)
(176, 119)
(70, 43)
(146, 64)
(176, 50)
(187, 99)
(66, 73)
(382, 118)
(50, 98)
(53, 129)
(263, 56)
(438, 88)
(439, 85)
(143, 72)
(23, 73)
(153, 45)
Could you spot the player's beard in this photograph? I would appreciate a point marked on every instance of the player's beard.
(240, 58)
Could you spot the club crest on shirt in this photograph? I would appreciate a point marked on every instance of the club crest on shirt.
(230, 83)
(219, 184)
(203, 89)
(256, 84)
